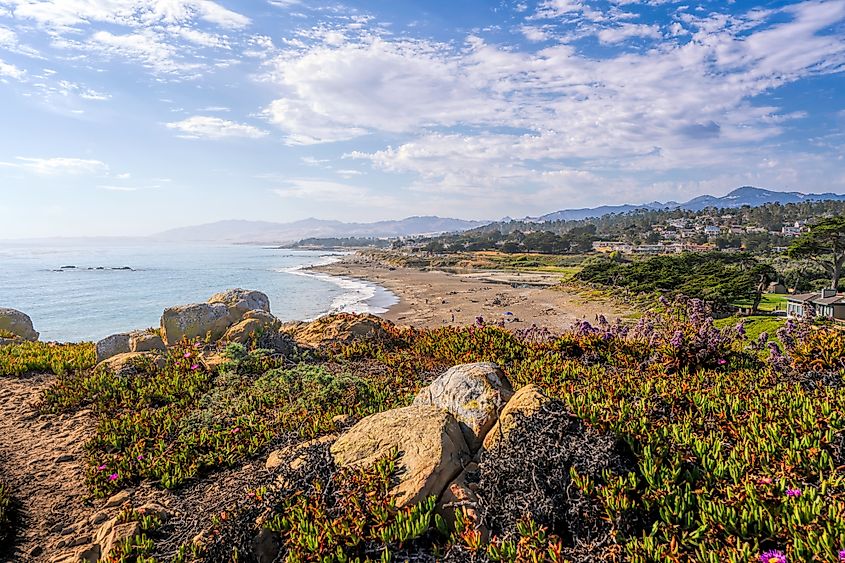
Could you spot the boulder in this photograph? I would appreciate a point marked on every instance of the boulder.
(432, 449)
(15, 322)
(112, 534)
(239, 301)
(473, 393)
(460, 495)
(195, 321)
(112, 346)
(253, 322)
(89, 553)
(526, 402)
(129, 363)
(339, 328)
(294, 454)
(145, 341)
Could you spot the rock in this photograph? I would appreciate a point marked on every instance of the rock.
(459, 495)
(17, 323)
(432, 449)
(267, 546)
(195, 321)
(113, 345)
(144, 341)
(339, 328)
(154, 509)
(211, 360)
(240, 301)
(131, 363)
(64, 458)
(293, 455)
(253, 322)
(112, 534)
(473, 393)
(85, 554)
(526, 402)
(8, 341)
(343, 419)
(117, 499)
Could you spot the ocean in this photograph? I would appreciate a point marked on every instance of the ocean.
(86, 292)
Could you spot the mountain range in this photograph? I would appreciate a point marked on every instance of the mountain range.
(746, 195)
(266, 232)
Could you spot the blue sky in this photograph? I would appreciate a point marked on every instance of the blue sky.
(127, 117)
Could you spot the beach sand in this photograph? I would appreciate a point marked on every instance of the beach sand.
(437, 298)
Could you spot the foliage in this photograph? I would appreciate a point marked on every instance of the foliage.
(825, 242)
(29, 357)
(6, 529)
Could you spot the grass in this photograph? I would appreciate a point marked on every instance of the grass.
(770, 302)
(41, 357)
(735, 453)
(755, 325)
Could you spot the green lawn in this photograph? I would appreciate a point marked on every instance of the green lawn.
(770, 302)
(755, 325)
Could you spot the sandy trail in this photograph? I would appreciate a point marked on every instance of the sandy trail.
(41, 458)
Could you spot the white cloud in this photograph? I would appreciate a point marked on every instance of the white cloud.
(10, 70)
(206, 127)
(624, 31)
(58, 165)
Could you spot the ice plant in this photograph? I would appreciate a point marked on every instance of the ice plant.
(842, 556)
(765, 481)
(195, 367)
(113, 477)
(773, 556)
(101, 468)
(187, 355)
(793, 492)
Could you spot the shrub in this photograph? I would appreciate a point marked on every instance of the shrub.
(29, 357)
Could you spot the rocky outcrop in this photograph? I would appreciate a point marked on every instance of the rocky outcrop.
(131, 363)
(17, 323)
(112, 346)
(253, 323)
(212, 318)
(339, 328)
(145, 341)
(432, 449)
(525, 403)
(473, 393)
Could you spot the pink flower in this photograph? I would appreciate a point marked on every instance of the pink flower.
(765, 481)
(793, 492)
(141, 457)
(195, 367)
(722, 361)
(101, 468)
(114, 477)
(236, 429)
(187, 355)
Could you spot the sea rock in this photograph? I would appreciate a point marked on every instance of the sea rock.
(432, 449)
(239, 301)
(339, 328)
(17, 323)
(195, 321)
(526, 402)
(112, 346)
(145, 341)
(131, 363)
(473, 393)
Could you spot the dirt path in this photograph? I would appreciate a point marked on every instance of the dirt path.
(41, 458)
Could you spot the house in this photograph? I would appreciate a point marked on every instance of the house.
(791, 231)
(712, 231)
(828, 303)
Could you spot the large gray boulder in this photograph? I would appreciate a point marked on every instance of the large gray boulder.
(113, 345)
(145, 341)
(17, 323)
(431, 446)
(195, 320)
(212, 318)
(239, 301)
(473, 393)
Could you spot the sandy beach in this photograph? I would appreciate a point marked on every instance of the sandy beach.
(437, 298)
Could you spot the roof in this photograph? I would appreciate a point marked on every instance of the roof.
(816, 299)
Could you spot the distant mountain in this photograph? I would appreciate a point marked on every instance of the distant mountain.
(746, 195)
(276, 233)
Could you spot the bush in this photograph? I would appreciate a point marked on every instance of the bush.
(30, 357)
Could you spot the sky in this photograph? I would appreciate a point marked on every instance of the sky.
(129, 117)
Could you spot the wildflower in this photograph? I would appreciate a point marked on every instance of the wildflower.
(722, 361)
(765, 481)
(793, 492)
(195, 367)
(101, 468)
(187, 354)
(773, 556)
(141, 457)
(236, 429)
(842, 556)
(114, 477)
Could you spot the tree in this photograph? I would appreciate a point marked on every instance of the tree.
(826, 242)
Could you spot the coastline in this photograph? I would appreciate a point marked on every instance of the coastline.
(429, 299)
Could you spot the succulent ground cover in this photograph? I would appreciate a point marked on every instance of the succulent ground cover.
(718, 446)
(43, 357)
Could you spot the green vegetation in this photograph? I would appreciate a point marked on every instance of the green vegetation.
(754, 325)
(737, 443)
(825, 243)
(29, 357)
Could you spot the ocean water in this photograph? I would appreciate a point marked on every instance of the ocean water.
(96, 297)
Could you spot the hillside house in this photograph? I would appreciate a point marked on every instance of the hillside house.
(827, 303)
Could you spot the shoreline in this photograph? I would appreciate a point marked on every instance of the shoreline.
(430, 299)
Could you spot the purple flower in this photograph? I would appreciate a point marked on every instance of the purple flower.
(773, 556)
(114, 477)
(101, 468)
(141, 457)
(195, 367)
(793, 492)
(842, 556)
(722, 361)
(677, 339)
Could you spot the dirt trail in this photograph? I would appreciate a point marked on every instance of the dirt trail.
(41, 458)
